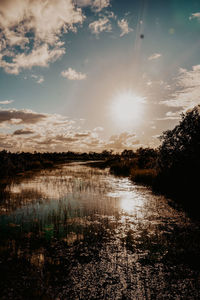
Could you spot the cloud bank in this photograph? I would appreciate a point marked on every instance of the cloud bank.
(30, 131)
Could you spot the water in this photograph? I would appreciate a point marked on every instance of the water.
(81, 233)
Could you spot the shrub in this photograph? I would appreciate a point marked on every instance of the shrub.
(123, 167)
(144, 176)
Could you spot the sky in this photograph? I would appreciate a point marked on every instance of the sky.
(89, 75)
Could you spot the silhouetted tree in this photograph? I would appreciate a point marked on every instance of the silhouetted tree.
(181, 145)
(146, 158)
(128, 154)
(179, 156)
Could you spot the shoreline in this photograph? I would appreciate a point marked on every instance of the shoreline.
(150, 179)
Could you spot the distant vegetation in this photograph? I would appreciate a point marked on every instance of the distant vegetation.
(12, 164)
(172, 169)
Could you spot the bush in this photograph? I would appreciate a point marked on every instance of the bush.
(144, 176)
(123, 167)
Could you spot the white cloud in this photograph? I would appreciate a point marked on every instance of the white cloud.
(103, 24)
(195, 16)
(171, 116)
(41, 56)
(154, 56)
(72, 74)
(6, 102)
(36, 27)
(187, 93)
(39, 79)
(122, 141)
(123, 25)
(96, 5)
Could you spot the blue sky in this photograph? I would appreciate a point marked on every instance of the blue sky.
(92, 83)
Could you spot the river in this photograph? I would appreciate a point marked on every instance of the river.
(77, 232)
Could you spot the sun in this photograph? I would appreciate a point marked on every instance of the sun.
(127, 108)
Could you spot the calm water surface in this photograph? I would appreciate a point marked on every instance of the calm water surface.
(81, 233)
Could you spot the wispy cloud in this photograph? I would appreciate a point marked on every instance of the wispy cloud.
(154, 56)
(5, 102)
(171, 116)
(122, 141)
(103, 24)
(72, 74)
(39, 79)
(123, 25)
(35, 27)
(195, 16)
(187, 90)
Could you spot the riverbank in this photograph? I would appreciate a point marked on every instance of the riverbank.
(181, 191)
(128, 168)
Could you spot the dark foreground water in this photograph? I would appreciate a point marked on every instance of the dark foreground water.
(80, 233)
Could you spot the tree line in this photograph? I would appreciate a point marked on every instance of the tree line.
(173, 168)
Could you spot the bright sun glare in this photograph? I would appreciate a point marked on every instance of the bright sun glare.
(127, 108)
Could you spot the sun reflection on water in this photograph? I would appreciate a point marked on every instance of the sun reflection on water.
(130, 202)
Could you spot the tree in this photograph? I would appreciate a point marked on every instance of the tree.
(179, 155)
(181, 145)
(128, 154)
(146, 158)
